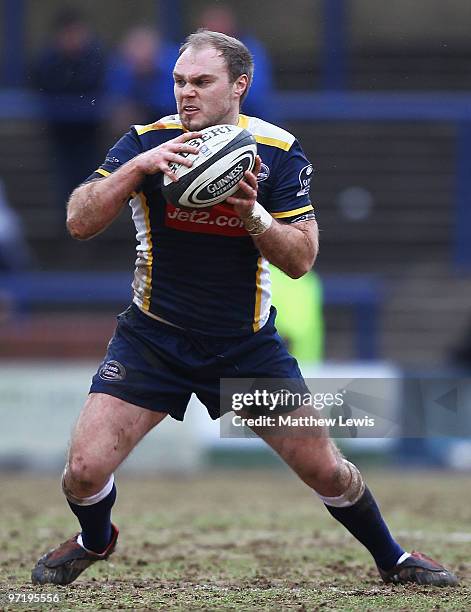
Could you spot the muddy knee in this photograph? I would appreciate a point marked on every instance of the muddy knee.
(82, 479)
(349, 481)
(325, 470)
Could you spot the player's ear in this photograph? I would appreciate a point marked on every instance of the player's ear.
(240, 85)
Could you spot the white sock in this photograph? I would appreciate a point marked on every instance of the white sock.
(80, 543)
(403, 557)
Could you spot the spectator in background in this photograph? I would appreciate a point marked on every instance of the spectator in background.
(221, 18)
(15, 253)
(139, 79)
(69, 73)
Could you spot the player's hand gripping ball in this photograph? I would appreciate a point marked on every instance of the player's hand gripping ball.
(225, 153)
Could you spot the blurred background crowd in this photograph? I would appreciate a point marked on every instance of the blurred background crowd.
(377, 93)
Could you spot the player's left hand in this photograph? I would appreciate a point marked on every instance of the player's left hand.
(244, 199)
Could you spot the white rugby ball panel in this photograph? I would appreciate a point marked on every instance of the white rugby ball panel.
(225, 153)
(220, 180)
(213, 139)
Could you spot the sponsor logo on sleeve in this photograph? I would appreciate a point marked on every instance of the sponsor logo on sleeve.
(112, 160)
(305, 177)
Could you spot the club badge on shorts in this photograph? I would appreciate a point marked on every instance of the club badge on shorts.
(112, 371)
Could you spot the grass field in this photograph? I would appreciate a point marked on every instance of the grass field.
(237, 540)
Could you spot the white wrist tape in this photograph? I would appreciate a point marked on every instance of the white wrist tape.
(259, 220)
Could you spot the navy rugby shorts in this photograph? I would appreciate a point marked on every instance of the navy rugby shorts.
(156, 366)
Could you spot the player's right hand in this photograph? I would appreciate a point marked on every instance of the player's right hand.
(159, 158)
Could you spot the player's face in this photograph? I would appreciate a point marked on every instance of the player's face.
(203, 91)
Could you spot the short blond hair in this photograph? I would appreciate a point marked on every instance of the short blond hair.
(238, 58)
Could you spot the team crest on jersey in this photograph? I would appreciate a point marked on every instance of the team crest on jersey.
(305, 177)
(264, 173)
(112, 370)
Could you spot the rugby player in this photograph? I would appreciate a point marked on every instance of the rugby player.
(201, 310)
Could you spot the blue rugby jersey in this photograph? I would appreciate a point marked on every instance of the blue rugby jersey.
(200, 269)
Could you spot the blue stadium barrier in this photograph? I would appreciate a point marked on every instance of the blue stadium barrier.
(30, 289)
(288, 105)
(364, 294)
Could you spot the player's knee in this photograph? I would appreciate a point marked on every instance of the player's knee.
(324, 464)
(318, 465)
(83, 477)
(345, 487)
(323, 476)
(330, 472)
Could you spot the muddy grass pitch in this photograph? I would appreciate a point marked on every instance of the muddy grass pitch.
(236, 540)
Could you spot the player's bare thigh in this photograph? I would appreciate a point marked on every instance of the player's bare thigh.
(310, 452)
(107, 430)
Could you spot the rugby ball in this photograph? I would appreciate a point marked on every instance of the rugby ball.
(225, 153)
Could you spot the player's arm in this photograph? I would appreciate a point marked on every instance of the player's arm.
(93, 206)
(292, 248)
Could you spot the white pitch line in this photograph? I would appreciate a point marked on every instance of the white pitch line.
(454, 536)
